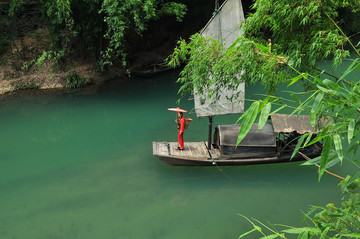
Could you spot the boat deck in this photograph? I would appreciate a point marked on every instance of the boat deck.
(195, 150)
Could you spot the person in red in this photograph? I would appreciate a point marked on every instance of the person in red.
(181, 128)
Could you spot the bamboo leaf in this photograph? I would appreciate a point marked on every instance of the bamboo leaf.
(331, 84)
(240, 118)
(338, 146)
(353, 67)
(295, 79)
(333, 161)
(308, 139)
(352, 235)
(264, 115)
(302, 229)
(231, 48)
(295, 98)
(315, 108)
(325, 156)
(303, 235)
(321, 136)
(256, 228)
(247, 233)
(248, 121)
(298, 145)
(270, 236)
(304, 104)
(323, 89)
(295, 230)
(351, 130)
(311, 162)
(262, 47)
(264, 102)
(278, 109)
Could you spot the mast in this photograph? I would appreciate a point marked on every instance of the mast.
(210, 132)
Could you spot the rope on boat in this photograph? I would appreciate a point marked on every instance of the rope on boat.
(333, 174)
(220, 170)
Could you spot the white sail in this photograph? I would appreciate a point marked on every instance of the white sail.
(205, 106)
(223, 25)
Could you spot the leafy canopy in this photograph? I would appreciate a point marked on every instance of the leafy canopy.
(277, 36)
(101, 24)
(119, 16)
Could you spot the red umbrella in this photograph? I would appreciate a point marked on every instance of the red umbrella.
(177, 109)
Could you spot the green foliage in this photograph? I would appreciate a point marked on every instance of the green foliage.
(334, 110)
(27, 65)
(203, 55)
(25, 85)
(333, 101)
(88, 24)
(278, 36)
(58, 16)
(102, 25)
(248, 120)
(48, 56)
(5, 36)
(14, 6)
(122, 15)
(74, 80)
(109, 19)
(300, 30)
(207, 60)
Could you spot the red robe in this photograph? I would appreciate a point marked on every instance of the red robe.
(181, 129)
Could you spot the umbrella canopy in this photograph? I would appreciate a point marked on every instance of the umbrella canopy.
(177, 109)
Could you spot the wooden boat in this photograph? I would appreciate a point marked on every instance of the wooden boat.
(274, 143)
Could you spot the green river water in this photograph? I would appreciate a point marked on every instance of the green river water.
(80, 165)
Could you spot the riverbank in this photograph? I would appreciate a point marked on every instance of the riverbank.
(28, 64)
(47, 79)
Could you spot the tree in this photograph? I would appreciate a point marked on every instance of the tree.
(120, 16)
(108, 19)
(101, 25)
(4, 33)
(300, 33)
(283, 42)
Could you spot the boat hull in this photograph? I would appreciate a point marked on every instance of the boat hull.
(177, 161)
(167, 153)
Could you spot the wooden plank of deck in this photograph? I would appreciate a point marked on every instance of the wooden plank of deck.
(192, 149)
(160, 148)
